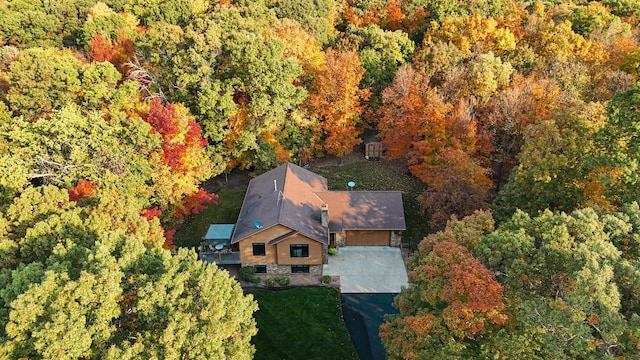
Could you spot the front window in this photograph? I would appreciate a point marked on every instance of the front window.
(261, 269)
(299, 250)
(258, 249)
(299, 269)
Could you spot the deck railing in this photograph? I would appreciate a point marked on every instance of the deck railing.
(223, 257)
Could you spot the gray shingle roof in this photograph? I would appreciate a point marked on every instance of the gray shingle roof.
(286, 196)
(364, 210)
(292, 196)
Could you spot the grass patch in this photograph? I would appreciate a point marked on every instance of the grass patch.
(301, 323)
(384, 175)
(226, 211)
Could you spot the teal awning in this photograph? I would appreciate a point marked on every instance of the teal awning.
(219, 234)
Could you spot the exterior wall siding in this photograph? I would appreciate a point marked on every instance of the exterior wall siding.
(284, 254)
(264, 236)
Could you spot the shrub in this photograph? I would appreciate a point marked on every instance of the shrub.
(326, 279)
(271, 281)
(247, 272)
(332, 251)
(284, 281)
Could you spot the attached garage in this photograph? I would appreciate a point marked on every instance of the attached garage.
(368, 238)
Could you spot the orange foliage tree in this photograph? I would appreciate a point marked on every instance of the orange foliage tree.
(440, 143)
(118, 51)
(84, 188)
(336, 100)
(454, 298)
(411, 112)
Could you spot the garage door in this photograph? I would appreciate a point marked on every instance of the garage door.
(368, 238)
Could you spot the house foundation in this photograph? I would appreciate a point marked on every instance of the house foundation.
(396, 239)
(285, 270)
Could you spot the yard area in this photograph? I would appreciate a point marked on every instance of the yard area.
(301, 323)
(226, 211)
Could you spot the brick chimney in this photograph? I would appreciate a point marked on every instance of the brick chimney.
(324, 215)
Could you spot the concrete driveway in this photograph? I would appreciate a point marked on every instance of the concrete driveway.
(368, 269)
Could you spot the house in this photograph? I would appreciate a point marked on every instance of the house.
(289, 219)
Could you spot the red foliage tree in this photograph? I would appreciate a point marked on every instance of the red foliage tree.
(411, 113)
(439, 142)
(150, 213)
(84, 188)
(394, 15)
(181, 135)
(182, 151)
(195, 203)
(101, 48)
(168, 242)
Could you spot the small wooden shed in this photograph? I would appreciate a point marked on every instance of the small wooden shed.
(375, 151)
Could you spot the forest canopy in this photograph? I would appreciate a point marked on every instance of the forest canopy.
(113, 113)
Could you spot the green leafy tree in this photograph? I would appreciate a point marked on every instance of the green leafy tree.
(103, 20)
(70, 146)
(250, 92)
(82, 285)
(553, 164)
(26, 23)
(314, 16)
(617, 148)
(585, 19)
(43, 80)
(566, 283)
(563, 277)
(175, 12)
(381, 52)
(29, 23)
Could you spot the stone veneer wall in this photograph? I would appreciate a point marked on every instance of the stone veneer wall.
(396, 238)
(325, 254)
(285, 270)
(341, 239)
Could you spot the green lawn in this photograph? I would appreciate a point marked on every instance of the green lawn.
(301, 323)
(226, 211)
(384, 175)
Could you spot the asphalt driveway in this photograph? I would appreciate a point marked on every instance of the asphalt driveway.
(368, 269)
(363, 314)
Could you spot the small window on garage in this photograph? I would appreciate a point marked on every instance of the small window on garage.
(261, 269)
(258, 249)
(299, 269)
(299, 250)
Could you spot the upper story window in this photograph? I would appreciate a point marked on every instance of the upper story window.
(258, 249)
(299, 250)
